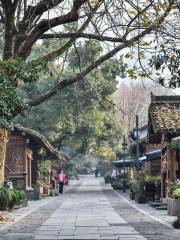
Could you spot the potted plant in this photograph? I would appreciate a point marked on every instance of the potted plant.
(9, 198)
(5, 198)
(14, 198)
(174, 200)
(117, 184)
(140, 196)
(107, 178)
(176, 223)
(133, 189)
(22, 198)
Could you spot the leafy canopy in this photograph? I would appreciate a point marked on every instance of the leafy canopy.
(11, 103)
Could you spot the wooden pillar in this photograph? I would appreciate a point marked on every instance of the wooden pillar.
(3, 143)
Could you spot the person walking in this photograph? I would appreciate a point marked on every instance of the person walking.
(61, 181)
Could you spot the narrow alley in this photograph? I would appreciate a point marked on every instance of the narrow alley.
(87, 210)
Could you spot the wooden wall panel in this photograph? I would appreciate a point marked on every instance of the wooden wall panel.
(15, 162)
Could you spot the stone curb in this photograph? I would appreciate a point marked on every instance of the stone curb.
(145, 212)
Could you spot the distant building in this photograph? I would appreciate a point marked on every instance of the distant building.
(150, 154)
(163, 128)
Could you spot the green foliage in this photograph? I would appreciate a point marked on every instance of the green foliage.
(117, 185)
(168, 59)
(83, 54)
(11, 103)
(107, 178)
(18, 69)
(11, 197)
(174, 191)
(82, 115)
(44, 166)
(176, 223)
(133, 185)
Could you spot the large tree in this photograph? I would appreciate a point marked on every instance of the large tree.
(118, 24)
(82, 116)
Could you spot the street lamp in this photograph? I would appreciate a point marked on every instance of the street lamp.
(124, 147)
(136, 134)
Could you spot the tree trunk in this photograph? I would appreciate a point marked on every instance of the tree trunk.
(3, 142)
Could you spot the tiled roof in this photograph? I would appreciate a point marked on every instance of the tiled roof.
(165, 116)
(40, 138)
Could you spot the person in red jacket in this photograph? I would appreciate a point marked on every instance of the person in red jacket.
(61, 181)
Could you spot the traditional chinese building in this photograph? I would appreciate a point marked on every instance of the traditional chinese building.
(150, 154)
(24, 149)
(163, 127)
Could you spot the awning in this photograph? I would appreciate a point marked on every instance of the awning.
(120, 163)
(150, 156)
(155, 155)
(142, 158)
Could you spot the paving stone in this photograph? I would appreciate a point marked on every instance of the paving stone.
(90, 211)
(87, 237)
(110, 237)
(46, 237)
(66, 237)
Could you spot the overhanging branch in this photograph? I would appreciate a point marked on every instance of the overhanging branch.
(68, 81)
(54, 54)
(43, 6)
(46, 24)
(81, 35)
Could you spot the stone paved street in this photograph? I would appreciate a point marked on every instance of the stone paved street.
(88, 211)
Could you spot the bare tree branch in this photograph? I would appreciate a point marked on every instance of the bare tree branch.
(46, 24)
(66, 82)
(43, 6)
(54, 54)
(2, 20)
(81, 35)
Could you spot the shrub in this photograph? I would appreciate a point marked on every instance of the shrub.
(11, 197)
(117, 185)
(107, 178)
(176, 223)
(4, 198)
(133, 185)
(174, 191)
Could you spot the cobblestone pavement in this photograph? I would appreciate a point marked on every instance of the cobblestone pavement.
(88, 211)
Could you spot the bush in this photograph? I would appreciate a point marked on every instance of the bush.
(117, 185)
(174, 190)
(176, 223)
(107, 178)
(11, 197)
(133, 185)
(176, 193)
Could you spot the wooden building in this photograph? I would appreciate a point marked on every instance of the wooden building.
(150, 158)
(163, 127)
(24, 149)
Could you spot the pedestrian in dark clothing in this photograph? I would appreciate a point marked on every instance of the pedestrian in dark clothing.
(61, 181)
(96, 172)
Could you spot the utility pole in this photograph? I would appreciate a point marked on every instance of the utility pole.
(137, 143)
(124, 165)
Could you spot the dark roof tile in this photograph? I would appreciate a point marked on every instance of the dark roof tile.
(165, 116)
